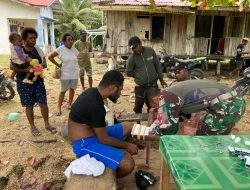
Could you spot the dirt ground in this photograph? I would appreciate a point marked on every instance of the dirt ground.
(46, 162)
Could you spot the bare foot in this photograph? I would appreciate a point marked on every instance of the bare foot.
(51, 129)
(35, 132)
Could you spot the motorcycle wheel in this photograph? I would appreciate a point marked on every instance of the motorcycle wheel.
(197, 73)
(10, 93)
(241, 89)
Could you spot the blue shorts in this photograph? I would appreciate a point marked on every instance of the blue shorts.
(31, 93)
(108, 155)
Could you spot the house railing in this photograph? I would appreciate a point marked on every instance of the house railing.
(230, 46)
(201, 46)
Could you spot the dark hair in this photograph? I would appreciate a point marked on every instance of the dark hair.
(112, 77)
(65, 35)
(150, 93)
(28, 30)
(134, 41)
(13, 36)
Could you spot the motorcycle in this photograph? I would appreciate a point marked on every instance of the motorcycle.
(167, 64)
(7, 91)
(242, 86)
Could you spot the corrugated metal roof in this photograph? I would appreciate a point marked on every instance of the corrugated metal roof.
(39, 3)
(143, 2)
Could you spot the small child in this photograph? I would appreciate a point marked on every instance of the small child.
(18, 58)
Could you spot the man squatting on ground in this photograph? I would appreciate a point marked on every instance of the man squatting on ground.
(223, 108)
(143, 65)
(87, 128)
(182, 73)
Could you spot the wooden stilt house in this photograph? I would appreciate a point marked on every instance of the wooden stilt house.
(175, 26)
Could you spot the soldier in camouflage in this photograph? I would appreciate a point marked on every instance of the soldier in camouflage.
(221, 106)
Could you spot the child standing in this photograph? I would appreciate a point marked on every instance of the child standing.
(18, 58)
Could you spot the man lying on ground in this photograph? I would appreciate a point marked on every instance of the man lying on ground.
(87, 128)
(222, 107)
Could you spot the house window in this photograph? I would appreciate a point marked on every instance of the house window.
(236, 26)
(202, 26)
(143, 26)
(158, 25)
(13, 28)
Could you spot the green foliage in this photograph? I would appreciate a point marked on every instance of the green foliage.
(207, 4)
(77, 15)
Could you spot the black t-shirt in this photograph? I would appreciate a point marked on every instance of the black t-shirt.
(240, 49)
(89, 109)
(33, 54)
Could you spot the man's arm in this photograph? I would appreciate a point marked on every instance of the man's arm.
(130, 67)
(239, 51)
(242, 52)
(103, 138)
(159, 69)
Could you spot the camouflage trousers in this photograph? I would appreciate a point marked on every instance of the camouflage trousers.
(222, 117)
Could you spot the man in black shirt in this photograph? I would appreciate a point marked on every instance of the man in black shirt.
(239, 57)
(87, 128)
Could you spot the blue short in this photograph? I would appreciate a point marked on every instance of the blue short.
(31, 93)
(108, 155)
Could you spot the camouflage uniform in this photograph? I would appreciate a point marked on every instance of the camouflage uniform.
(168, 114)
(84, 49)
(220, 118)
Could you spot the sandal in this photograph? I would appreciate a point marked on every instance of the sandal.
(35, 132)
(51, 129)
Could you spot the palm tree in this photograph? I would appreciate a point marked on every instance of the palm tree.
(77, 15)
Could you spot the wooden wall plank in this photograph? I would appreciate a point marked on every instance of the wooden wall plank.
(190, 40)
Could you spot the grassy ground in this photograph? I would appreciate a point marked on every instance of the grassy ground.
(4, 61)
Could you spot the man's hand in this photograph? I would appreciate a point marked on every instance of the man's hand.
(132, 148)
(163, 83)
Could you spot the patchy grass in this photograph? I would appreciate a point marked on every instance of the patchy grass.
(4, 61)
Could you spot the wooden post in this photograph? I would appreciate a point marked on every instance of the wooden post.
(166, 179)
(226, 27)
(244, 24)
(151, 118)
(211, 35)
(218, 67)
(190, 42)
